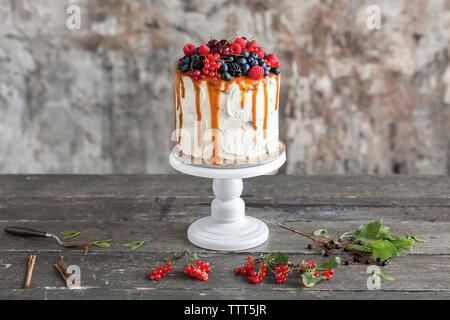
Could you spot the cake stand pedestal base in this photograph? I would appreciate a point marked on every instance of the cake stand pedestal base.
(228, 228)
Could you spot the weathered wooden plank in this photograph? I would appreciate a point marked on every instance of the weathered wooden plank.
(114, 270)
(61, 293)
(171, 235)
(185, 209)
(352, 188)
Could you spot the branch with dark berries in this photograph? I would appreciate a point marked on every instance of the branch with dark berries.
(372, 243)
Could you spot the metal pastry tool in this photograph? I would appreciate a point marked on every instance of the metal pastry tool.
(25, 232)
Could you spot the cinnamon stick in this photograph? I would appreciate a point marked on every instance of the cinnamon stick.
(31, 262)
(62, 268)
(84, 245)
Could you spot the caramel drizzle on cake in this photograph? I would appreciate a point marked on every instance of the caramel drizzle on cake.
(179, 83)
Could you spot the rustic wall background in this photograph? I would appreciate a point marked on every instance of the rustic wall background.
(99, 99)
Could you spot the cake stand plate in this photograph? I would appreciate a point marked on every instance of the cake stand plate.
(228, 228)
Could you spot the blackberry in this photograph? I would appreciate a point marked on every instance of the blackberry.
(235, 69)
(197, 63)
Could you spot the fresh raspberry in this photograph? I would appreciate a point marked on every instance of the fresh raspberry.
(272, 58)
(252, 44)
(235, 48)
(241, 41)
(256, 72)
(189, 49)
(260, 51)
(204, 49)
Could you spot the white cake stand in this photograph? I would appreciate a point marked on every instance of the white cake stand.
(228, 228)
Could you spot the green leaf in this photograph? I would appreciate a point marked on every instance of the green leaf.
(359, 248)
(309, 280)
(384, 230)
(415, 238)
(370, 231)
(382, 249)
(344, 235)
(386, 276)
(322, 232)
(279, 258)
(102, 243)
(135, 244)
(399, 242)
(70, 234)
(330, 263)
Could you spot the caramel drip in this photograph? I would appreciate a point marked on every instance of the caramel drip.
(242, 87)
(254, 96)
(214, 91)
(179, 86)
(265, 108)
(199, 111)
(278, 90)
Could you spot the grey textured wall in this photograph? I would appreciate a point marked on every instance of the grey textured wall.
(99, 99)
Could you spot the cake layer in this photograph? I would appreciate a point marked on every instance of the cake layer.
(217, 120)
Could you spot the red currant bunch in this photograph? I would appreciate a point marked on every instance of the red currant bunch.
(198, 272)
(211, 66)
(306, 266)
(328, 274)
(249, 269)
(282, 272)
(258, 50)
(195, 74)
(161, 271)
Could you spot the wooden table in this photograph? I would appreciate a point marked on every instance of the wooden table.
(160, 208)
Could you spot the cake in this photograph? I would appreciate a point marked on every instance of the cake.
(226, 102)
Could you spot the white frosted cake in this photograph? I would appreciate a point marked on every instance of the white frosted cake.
(226, 102)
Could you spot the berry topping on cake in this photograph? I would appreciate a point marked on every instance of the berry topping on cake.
(225, 59)
(235, 69)
(189, 49)
(242, 42)
(204, 49)
(235, 48)
(256, 72)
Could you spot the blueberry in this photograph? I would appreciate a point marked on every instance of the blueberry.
(226, 76)
(254, 54)
(224, 68)
(263, 65)
(230, 58)
(245, 68)
(245, 54)
(266, 73)
(186, 60)
(179, 66)
(261, 62)
(326, 254)
(252, 61)
(368, 261)
(275, 70)
(185, 67)
(309, 246)
(347, 262)
(242, 61)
